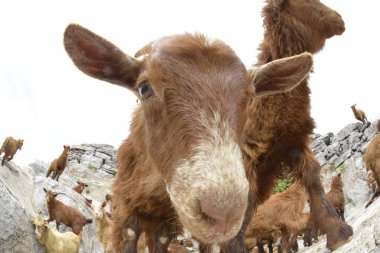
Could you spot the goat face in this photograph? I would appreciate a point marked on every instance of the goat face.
(50, 195)
(193, 95)
(317, 21)
(19, 144)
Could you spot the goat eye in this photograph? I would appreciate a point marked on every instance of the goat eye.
(145, 90)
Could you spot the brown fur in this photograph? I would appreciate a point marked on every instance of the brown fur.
(283, 120)
(193, 92)
(65, 214)
(336, 196)
(359, 114)
(80, 187)
(281, 212)
(58, 165)
(9, 148)
(372, 162)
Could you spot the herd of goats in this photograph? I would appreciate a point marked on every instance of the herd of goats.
(208, 142)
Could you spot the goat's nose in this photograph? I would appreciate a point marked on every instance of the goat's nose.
(222, 220)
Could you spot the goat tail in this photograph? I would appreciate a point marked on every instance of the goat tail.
(88, 221)
(378, 126)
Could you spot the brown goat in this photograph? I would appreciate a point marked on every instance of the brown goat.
(65, 214)
(281, 212)
(292, 27)
(359, 114)
(372, 162)
(58, 165)
(10, 147)
(80, 187)
(336, 196)
(182, 163)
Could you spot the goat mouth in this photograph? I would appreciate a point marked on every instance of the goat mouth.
(207, 229)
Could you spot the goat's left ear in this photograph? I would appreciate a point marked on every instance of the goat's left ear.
(99, 58)
(45, 189)
(104, 203)
(281, 75)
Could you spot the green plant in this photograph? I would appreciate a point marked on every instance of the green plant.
(91, 167)
(283, 184)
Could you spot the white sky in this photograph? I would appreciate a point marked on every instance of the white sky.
(48, 102)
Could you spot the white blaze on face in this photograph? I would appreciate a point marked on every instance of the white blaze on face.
(215, 171)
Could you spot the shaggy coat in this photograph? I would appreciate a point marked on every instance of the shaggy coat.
(283, 120)
(336, 196)
(281, 212)
(9, 148)
(80, 187)
(54, 241)
(65, 214)
(58, 165)
(372, 162)
(182, 163)
(359, 114)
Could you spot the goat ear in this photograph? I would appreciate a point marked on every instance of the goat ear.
(55, 195)
(281, 75)
(99, 58)
(104, 203)
(45, 189)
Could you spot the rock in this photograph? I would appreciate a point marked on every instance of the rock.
(92, 161)
(22, 198)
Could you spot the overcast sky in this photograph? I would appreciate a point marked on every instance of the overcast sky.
(48, 102)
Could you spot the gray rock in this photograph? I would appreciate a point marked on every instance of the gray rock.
(346, 131)
(103, 156)
(92, 161)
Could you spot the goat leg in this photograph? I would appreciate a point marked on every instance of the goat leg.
(374, 195)
(129, 233)
(322, 213)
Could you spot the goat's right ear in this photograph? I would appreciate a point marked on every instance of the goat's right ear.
(99, 58)
(45, 189)
(281, 75)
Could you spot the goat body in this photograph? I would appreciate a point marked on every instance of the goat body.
(54, 241)
(359, 114)
(283, 120)
(372, 162)
(65, 214)
(9, 148)
(58, 165)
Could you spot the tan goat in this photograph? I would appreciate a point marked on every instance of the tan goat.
(10, 147)
(103, 224)
(54, 241)
(58, 165)
(372, 162)
(359, 114)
